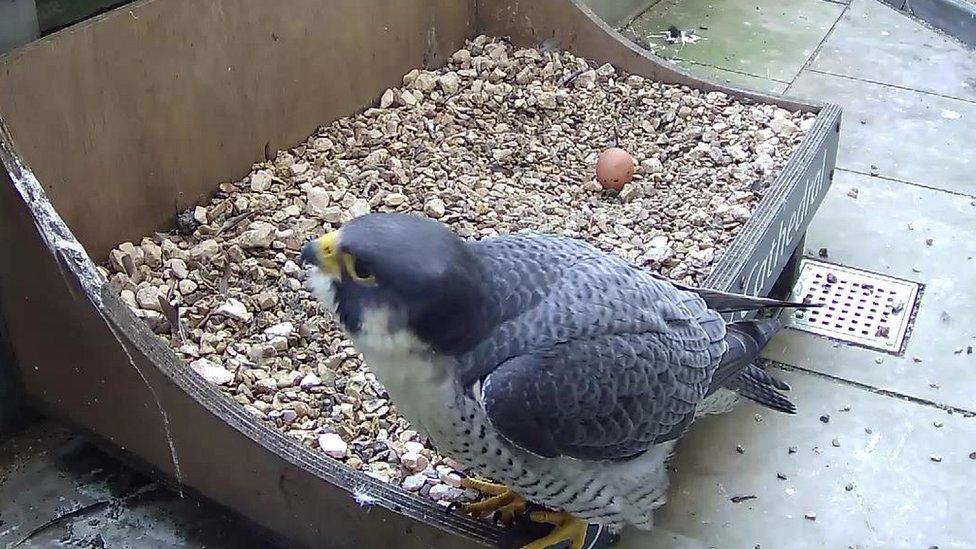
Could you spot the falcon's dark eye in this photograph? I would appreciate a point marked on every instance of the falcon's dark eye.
(358, 270)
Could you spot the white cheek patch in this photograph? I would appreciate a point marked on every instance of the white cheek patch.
(377, 335)
(321, 286)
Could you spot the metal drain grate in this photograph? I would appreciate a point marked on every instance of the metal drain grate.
(863, 308)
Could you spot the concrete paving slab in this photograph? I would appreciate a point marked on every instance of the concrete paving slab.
(886, 229)
(57, 490)
(897, 133)
(764, 38)
(895, 49)
(883, 449)
(737, 79)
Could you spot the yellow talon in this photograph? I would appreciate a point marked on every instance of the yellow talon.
(506, 502)
(512, 509)
(484, 486)
(567, 528)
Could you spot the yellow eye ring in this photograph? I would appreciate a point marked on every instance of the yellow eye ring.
(349, 262)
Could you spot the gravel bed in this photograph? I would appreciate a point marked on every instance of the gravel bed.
(499, 141)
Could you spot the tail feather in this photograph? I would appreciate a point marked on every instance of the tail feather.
(758, 390)
(726, 302)
(746, 339)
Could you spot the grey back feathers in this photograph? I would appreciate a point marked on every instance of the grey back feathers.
(588, 356)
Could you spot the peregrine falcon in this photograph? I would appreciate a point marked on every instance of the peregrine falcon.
(540, 361)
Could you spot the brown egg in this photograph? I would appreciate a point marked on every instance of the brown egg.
(614, 168)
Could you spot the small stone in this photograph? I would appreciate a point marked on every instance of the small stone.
(218, 375)
(408, 98)
(835, 443)
(823, 253)
(449, 82)
(831, 278)
(652, 166)
(791, 450)
(849, 486)
(425, 81)
(781, 476)
(359, 208)
(783, 126)
(846, 408)
(825, 418)
(151, 253)
(972, 455)
(630, 192)
(317, 201)
(266, 385)
(333, 445)
(117, 261)
(740, 213)
(234, 309)
(916, 359)
(187, 286)
(386, 100)
(810, 516)
(406, 436)
(547, 100)
(265, 300)
(310, 380)
(413, 447)
(129, 298)
(938, 424)
(435, 208)
(586, 79)
(852, 192)
(283, 329)
(261, 181)
(443, 492)
(414, 483)
(461, 57)
(592, 186)
(879, 360)
(414, 462)
(935, 457)
(740, 449)
(928, 241)
(449, 478)
(259, 235)
(290, 379)
(395, 199)
(148, 298)
(177, 267)
(956, 351)
(205, 250)
(298, 168)
(200, 215)
(684, 111)
(288, 416)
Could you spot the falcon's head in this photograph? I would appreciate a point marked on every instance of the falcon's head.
(385, 274)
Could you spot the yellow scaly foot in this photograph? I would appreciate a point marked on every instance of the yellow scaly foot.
(567, 528)
(507, 503)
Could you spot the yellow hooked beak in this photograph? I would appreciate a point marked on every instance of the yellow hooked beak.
(323, 252)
